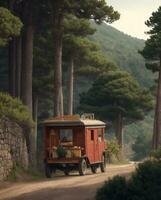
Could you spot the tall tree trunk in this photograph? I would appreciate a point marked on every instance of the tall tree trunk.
(157, 120)
(26, 73)
(35, 115)
(58, 88)
(12, 67)
(154, 142)
(70, 87)
(27, 66)
(119, 129)
(18, 66)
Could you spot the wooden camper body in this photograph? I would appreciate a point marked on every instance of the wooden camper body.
(86, 139)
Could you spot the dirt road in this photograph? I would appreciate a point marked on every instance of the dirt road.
(73, 187)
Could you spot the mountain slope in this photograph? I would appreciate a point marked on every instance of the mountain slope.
(123, 50)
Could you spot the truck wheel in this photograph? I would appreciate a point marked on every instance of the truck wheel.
(103, 165)
(93, 169)
(48, 171)
(82, 167)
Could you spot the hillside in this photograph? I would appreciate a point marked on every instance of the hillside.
(123, 50)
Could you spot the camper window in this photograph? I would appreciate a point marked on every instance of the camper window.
(100, 135)
(66, 136)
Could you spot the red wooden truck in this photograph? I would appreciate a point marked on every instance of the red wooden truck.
(74, 143)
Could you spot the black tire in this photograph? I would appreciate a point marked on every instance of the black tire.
(48, 171)
(82, 167)
(66, 172)
(103, 165)
(93, 169)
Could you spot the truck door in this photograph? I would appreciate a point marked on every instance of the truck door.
(101, 144)
(93, 146)
(96, 146)
(90, 144)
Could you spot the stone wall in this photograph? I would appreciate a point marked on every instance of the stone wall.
(13, 149)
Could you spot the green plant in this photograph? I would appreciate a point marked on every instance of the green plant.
(113, 189)
(61, 152)
(112, 150)
(10, 25)
(13, 109)
(141, 146)
(156, 155)
(144, 184)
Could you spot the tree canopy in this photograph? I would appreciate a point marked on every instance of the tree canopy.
(116, 91)
(117, 96)
(10, 25)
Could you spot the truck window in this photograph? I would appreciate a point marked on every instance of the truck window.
(92, 135)
(100, 135)
(66, 136)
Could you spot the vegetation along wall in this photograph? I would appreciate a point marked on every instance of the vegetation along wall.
(15, 123)
(13, 149)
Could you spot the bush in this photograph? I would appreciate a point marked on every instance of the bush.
(141, 147)
(14, 110)
(112, 150)
(114, 189)
(156, 155)
(145, 184)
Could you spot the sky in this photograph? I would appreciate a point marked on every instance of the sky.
(134, 13)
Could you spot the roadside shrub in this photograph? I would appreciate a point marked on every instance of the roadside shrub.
(144, 184)
(114, 189)
(156, 155)
(112, 150)
(141, 146)
(13, 109)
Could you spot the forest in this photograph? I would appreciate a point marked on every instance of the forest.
(63, 58)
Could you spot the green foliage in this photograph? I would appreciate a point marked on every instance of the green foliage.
(123, 49)
(112, 150)
(96, 63)
(152, 50)
(10, 25)
(144, 184)
(77, 27)
(135, 130)
(156, 154)
(15, 110)
(142, 146)
(85, 54)
(78, 47)
(114, 189)
(61, 152)
(116, 91)
(97, 10)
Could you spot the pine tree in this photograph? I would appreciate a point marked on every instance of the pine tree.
(152, 55)
(89, 9)
(116, 96)
(76, 47)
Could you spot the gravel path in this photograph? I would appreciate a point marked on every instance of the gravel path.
(73, 187)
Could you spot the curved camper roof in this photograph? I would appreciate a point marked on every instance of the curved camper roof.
(74, 120)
